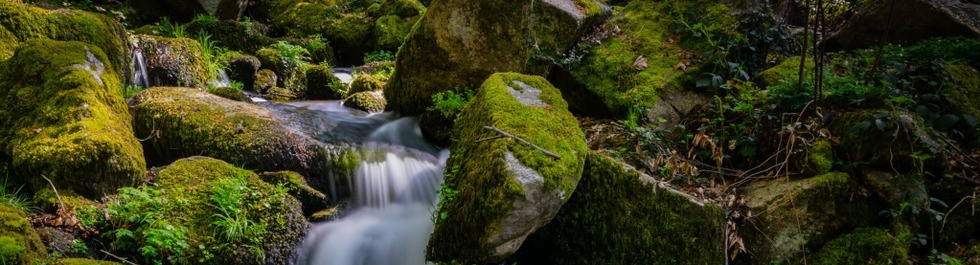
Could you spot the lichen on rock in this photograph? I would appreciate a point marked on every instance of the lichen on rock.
(174, 61)
(370, 101)
(506, 189)
(64, 118)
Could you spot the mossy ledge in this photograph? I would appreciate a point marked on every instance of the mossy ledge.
(487, 186)
(19, 244)
(64, 118)
(619, 216)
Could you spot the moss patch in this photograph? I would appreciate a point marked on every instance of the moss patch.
(477, 170)
(365, 83)
(392, 30)
(864, 246)
(81, 261)
(322, 84)
(786, 71)
(370, 101)
(64, 118)
(174, 61)
(617, 216)
(19, 244)
(966, 85)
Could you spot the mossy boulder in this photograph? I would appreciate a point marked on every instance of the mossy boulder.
(793, 216)
(350, 33)
(64, 118)
(19, 244)
(864, 246)
(965, 86)
(292, 75)
(401, 8)
(898, 190)
(83, 261)
(281, 94)
(265, 80)
(922, 20)
(230, 93)
(787, 71)
(391, 31)
(174, 61)
(20, 22)
(459, 43)
(620, 216)
(370, 101)
(638, 55)
(243, 69)
(365, 83)
(242, 36)
(817, 160)
(322, 84)
(504, 189)
(890, 139)
(201, 199)
(182, 122)
(296, 185)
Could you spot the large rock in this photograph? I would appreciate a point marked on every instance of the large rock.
(790, 217)
(459, 43)
(907, 21)
(864, 246)
(218, 214)
(173, 61)
(620, 216)
(506, 189)
(890, 139)
(183, 122)
(64, 118)
(185, 10)
(19, 244)
(19, 23)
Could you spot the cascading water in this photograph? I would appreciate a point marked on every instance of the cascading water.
(140, 77)
(395, 194)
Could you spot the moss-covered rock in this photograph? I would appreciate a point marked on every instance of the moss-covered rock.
(20, 22)
(506, 189)
(265, 80)
(230, 93)
(966, 85)
(365, 83)
(322, 84)
(351, 35)
(401, 8)
(174, 61)
(620, 216)
(817, 160)
(243, 69)
(203, 201)
(791, 217)
(292, 75)
(242, 36)
(64, 118)
(459, 43)
(898, 190)
(280, 94)
(391, 31)
(81, 261)
(864, 246)
(370, 101)
(19, 244)
(890, 139)
(786, 71)
(296, 185)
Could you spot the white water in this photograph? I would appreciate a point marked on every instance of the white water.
(395, 193)
(221, 79)
(140, 77)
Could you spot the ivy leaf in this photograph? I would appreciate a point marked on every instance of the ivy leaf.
(947, 121)
(704, 82)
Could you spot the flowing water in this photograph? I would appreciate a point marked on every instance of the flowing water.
(394, 194)
(140, 78)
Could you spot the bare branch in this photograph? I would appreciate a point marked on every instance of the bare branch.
(505, 134)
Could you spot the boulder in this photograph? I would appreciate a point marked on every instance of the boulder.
(322, 84)
(906, 21)
(290, 72)
(864, 246)
(391, 31)
(22, 22)
(499, 191)
(220, 214)
(636, 60)
(230, 93)
(793, 216)
(965, 82)
(459, 43)
(64, 118)
(19, 244)
(296, 185)
(370, 101)
(265, 80)
(620, 216)
(898, 190)
(173, 61)
(890, 139)
(185, 10)
(243, 69)
(83, 261)
(242, 36)
(787, 71)
(365, 83)
(182, 122)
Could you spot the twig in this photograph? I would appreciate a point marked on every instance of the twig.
(943, 226)
(60, 203)
(118, 257)
(504, 134)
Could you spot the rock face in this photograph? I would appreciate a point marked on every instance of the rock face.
(19, 244)
(908, 21)
(322, 84)
(183, 122)
(184, 10)
(370, 101)
(243, 69)
(173, 61)
(620, 216)
(197, 193)
(21, 23)
(459, 43)
(890, 139)
(794, 216)
(64, 118)
(506, 189)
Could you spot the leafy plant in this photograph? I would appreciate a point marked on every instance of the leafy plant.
(206, 21)
(450, 103)
(378, 56)
(172, 29)
(213, 54)
(231, 220)
(633, 115)
(139, 216)
(291, 55)
(130, 91)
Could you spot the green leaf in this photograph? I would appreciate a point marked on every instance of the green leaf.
(880, 124)
(947, 121)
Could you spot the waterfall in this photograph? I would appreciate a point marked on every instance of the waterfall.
(395, 194)
(140, 77)
(221, 79)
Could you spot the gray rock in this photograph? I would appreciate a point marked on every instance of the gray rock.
(910, 21)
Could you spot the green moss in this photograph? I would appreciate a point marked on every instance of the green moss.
(401, 8)
(322, 84)
(351, 35)
(618, 216)
(392, 30)
(864, 246)
(175, 61)
(81, 261)
(229, 93)
(26, 22)
(290, 69)
(281, 94)
(486, 191)
(265, 80)
(193, 189)
(365, 83)
(966, 85)
(370, 101)
(786, 71)
(19, 244)
(64, 118)
(891, 139)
